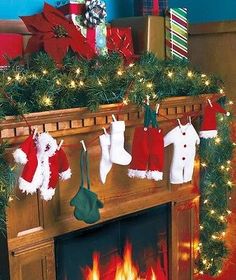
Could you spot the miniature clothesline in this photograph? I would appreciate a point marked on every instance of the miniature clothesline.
(120, 107)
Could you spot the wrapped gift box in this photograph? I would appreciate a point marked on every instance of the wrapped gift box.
(75, 9)
(150, 7)
(11, 46)
(148, 33)
(176, 33)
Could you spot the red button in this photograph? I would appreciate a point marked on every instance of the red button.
(184, 133)
(185, 146)
(183, 158)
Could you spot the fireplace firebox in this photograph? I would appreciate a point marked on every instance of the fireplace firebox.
(138, 242)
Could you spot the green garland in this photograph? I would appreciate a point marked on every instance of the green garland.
(7, 183)
(40, 86)
(215, 186)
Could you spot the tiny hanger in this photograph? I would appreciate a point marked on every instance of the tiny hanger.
(157, 108)
(35, 132)
(59, 146)
(148, 100)
(105, 131)
(178, 120)
(189, 119)
(114, 118)
(83, 144)
(209, 101)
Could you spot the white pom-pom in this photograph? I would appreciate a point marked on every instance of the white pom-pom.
(228, 114)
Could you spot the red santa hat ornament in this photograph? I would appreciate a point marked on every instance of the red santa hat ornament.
(209, 123)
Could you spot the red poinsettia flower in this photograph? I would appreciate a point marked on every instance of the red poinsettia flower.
(53, 32)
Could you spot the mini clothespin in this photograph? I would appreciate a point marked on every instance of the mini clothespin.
(105, 131)
(148, 100)
(59, 146)
(209, 101)
(83, 144)
(157, 108)
(114, 118)
(35, 132)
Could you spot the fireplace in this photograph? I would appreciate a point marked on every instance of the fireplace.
(138, 241)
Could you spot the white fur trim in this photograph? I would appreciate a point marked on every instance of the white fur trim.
(65, 175)
(208, 134)
(47, 194)
(20, 156)
(155, 175)
(43, 141)
(27, 187)
(132, 173)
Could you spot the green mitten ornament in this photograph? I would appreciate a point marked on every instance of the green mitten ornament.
(86, 202)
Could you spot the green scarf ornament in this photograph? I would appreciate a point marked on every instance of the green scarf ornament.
(86, 202)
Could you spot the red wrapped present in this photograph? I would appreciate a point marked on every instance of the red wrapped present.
(120, 40)
(11, 47)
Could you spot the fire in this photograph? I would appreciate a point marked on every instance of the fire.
(93, 274)
(127, 270)
(123, 269)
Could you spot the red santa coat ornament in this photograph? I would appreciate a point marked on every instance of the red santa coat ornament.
(209, 122)
(44, 165)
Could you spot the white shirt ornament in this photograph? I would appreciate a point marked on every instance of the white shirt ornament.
(184, 138)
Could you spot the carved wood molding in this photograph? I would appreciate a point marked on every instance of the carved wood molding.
(81, 120)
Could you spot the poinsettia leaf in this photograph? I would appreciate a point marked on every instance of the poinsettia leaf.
(37, 23)
(82, 48)
(34, 44)
(56, 48)
(54, 16)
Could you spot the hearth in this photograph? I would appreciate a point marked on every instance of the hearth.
(132, 247)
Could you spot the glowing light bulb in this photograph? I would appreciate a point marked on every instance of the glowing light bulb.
(47, 101)
(201, 227)
(138, 73)
(229, 161)
(221, 91)
(203, 75)
(201, 272)
(119, 72)
(44, 71)
(212, 211)
(214, 236)
(228, 114)
(10, 199)
(229, 212)
(223, 233)
(72, 84)
(217, 140)
(203, 164)
(190, 74)
(81, 83)
(17, 77)
(125, 101)
(222, 167)
(58, 82)
(131, 65)
(207, 82)
(9, 78)
(219, 271)
(230, 198)
(222, 218)
(77, 71)
(149, 85)
(170, 74)
(204, 261)
(231, 102)
(205, 201)
(99, 82)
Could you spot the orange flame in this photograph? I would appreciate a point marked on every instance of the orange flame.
(122, 269)
(127, 270)
(94, 273)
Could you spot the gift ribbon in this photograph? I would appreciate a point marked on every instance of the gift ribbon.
(119, 42)
(91, 37)
(155, 8)
(73, 8)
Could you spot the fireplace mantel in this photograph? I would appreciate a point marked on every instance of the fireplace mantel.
(33, 223)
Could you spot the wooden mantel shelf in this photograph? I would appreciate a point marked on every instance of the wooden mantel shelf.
(33, 224)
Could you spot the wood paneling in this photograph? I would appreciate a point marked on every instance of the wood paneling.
(35, 262)
(212, 50)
